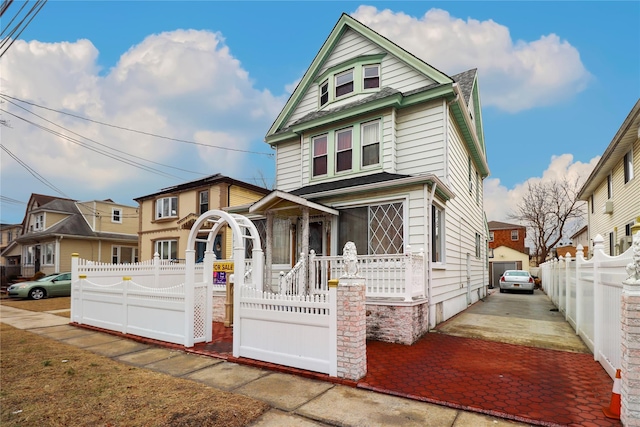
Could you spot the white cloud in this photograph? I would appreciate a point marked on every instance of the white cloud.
(515, 75)
(499, 200)
(183, 84)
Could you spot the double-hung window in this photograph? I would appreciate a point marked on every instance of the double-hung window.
(478, 248)
(320, 155)
(166, 207)
(116, 215)
(628, 166)
(371, 143)
(203, 201)
(344, 153)
(39, 222)
(124, 255)
(167, 249)
(514, 235)
(609, 187)
(344, 83)
(324, 93)
(371, 76)
(437, 234)
(491, 236)
(48, 254)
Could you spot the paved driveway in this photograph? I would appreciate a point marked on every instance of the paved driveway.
(516, 318)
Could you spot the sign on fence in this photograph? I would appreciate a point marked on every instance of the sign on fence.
(220, 272)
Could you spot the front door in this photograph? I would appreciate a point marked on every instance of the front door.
(316, 232)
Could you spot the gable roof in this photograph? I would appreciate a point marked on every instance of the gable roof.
(621, 143)
(497, 225)
(344, 23)
(206, 181)
(461, 88)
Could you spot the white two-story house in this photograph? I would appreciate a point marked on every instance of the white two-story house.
(377, 147)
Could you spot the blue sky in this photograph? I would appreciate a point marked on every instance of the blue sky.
(575, 79)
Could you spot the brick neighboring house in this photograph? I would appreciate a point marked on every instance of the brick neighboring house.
(166, 217)
(507, 250)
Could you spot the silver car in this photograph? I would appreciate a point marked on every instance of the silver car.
(517, 280)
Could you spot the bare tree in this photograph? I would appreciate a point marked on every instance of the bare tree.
(548, 210)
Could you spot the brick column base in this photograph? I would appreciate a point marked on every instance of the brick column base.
(630, 369)
(351, 329)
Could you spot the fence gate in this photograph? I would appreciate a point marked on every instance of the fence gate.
(499, 267)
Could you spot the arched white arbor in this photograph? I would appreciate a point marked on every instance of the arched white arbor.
(201, 297)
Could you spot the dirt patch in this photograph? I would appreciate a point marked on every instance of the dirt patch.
(48, 383)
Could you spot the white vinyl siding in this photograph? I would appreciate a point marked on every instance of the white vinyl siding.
(394, 73)
(288, 163)
(420, 141)
(626, 203)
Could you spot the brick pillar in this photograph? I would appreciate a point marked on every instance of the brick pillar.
(351, 329)
(630, 319)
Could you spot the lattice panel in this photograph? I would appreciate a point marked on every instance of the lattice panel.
(386, 229)
(199, 315)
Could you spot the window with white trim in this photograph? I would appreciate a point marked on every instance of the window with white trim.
(167, 207)
(370, 143)
(470, 181)
(371, 76)
(490, 252)
(375, 229)
(39, 222)
(491, 236)
(324, 93)
(344, 83)
(477, 188)
(167, 249)
(319, 166)
(116, 215)
(628, 166)
(124, 255)
(48, 254)
(609, 187)
(478, 248)
(514, 234)
(28, 256)
(203, 201)
(281, 241)
(437, 234)
(344, 152)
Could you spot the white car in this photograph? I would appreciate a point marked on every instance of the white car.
(517, 280)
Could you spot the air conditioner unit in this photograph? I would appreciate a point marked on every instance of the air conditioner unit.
(608, 207)
(625, 243)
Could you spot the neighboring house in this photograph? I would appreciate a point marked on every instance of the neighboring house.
(581, 237)
(8, 233)
(377, 147)
(612, 191)
(166, 217)
(54, 228)
(507, 249)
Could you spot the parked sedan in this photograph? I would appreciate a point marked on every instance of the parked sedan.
(515, 280)
(53, 285)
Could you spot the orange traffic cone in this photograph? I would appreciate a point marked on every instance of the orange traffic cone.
(613, 411)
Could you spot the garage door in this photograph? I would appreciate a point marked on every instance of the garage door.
(500, 267)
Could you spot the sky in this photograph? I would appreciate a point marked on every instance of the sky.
(117, 100)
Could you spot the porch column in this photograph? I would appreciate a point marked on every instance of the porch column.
(269, 255)
(305, 245)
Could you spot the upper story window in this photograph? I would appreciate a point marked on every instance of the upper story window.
(470, 180)
(478, 246)
(591, 203)
(514, 234)
(203, 201)
(167, 207)
(371, 143)
(116, 215)
(344, 153)
(491, 236)
(437, 234)
(320, 155)
(39, 222)
(477, 188)
(371, 76)
(324, 93)
(344, 83)
(609, 186)
(628, 166)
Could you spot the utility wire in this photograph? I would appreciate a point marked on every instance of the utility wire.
(103, 145)
(12, 36)
(4, 95)
(10, 201)
(33, 172)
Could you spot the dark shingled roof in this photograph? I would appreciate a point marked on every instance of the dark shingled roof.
(465, 81)
(350, 182)
(497, 225)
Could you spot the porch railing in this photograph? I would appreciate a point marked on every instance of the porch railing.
(293, 282)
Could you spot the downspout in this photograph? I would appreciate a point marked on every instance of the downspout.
(430, 251)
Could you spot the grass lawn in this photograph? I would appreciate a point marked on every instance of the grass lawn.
(46, 304)
(48, 383)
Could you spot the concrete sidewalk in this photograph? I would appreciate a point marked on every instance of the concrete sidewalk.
(295, 401)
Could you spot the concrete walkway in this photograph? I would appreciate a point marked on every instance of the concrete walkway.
(295, 401)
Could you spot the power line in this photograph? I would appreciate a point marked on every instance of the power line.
(33, 172)
(138, 131)
(10, 201)
(104, 145)
(16, 31)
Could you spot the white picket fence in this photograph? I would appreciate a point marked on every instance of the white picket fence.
(396, 276)
(588, 293)
(290, 330)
